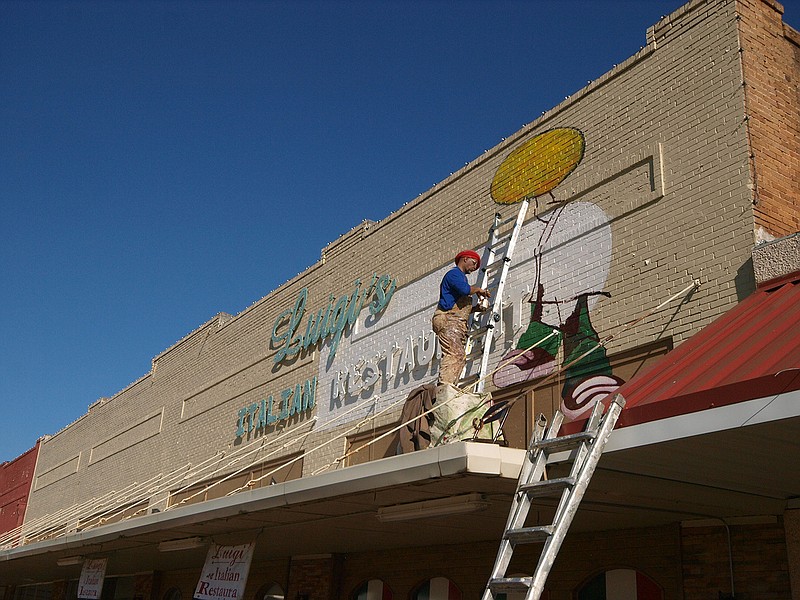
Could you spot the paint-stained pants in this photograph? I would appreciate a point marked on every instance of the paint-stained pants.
(450, 326)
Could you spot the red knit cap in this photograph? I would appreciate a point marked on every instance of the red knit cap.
(468, 254)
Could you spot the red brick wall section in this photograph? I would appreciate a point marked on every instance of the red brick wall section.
(314, 578)
(791, 523)
(59, 590)
(771, 65)
(15, 486)
(184, 580)
(143, 587)
(760, 567)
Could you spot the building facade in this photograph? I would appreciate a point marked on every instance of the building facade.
(279, 426)
(16, 477)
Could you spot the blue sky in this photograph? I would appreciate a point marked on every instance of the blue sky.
(165, 161)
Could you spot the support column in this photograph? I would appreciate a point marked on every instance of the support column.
(314, 577)
(791, 525)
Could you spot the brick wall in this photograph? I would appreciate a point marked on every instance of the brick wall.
(654, 552)
(686, 563)
(184, 580)
(760, 568)
(659, 199)
(314, 577)
(771, 64)
(791, 523)
(16, 477)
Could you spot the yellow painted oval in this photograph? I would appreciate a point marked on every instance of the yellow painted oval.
(538, 165)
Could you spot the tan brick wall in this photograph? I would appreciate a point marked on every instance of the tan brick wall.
(666, 162)
(771, 64)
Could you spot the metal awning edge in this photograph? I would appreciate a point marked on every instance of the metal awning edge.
(730, 416)
(465, 458)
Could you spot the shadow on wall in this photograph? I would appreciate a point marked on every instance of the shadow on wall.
(745, 280)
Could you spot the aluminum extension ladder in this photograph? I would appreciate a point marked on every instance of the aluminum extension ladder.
(586, 448)
(495, 264)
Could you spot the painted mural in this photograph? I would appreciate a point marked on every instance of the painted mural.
(530, 172)
(561, 265)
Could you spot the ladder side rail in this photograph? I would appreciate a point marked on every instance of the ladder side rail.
(496, 245)
(497, 239)
(489, 275)
(553, 544)
(512, 243)
(481, 322)
(490, 251)
(533, 467)
(476, 321)
(578, 458)
(495, 314)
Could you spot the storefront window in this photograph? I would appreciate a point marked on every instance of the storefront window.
(620, 584)
(173, 593)
(374, 589)
(43, 591)
(124, 588)
(438, 588)
(271, 591)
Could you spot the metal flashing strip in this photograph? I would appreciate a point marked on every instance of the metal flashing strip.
(732, 416)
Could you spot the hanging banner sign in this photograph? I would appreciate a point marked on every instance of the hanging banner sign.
(225, 572)
(90, 585)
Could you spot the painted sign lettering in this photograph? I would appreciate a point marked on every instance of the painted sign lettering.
(331, 320)
(93, 573)
(225, 573)
(266, 412)
(360, 378)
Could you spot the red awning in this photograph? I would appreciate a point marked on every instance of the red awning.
(750, 352)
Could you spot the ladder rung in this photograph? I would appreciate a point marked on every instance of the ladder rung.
(496, 263)
(503, 222)
(547, 487)
(475, 351)
(572, 488)
(474, 354)
(529, 535)
(500, 240)
(565, 442)
(508, 220)
(479, 332)
(468, 380)
(509, 585)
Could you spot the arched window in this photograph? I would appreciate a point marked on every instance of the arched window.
(620, 584)
(374, 589)
(270, 591)
(172, 593)
(520, 595)
(437, 588)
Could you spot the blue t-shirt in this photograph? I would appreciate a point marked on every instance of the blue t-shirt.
(454, 285)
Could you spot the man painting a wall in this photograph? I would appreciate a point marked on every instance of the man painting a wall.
(452, 313)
